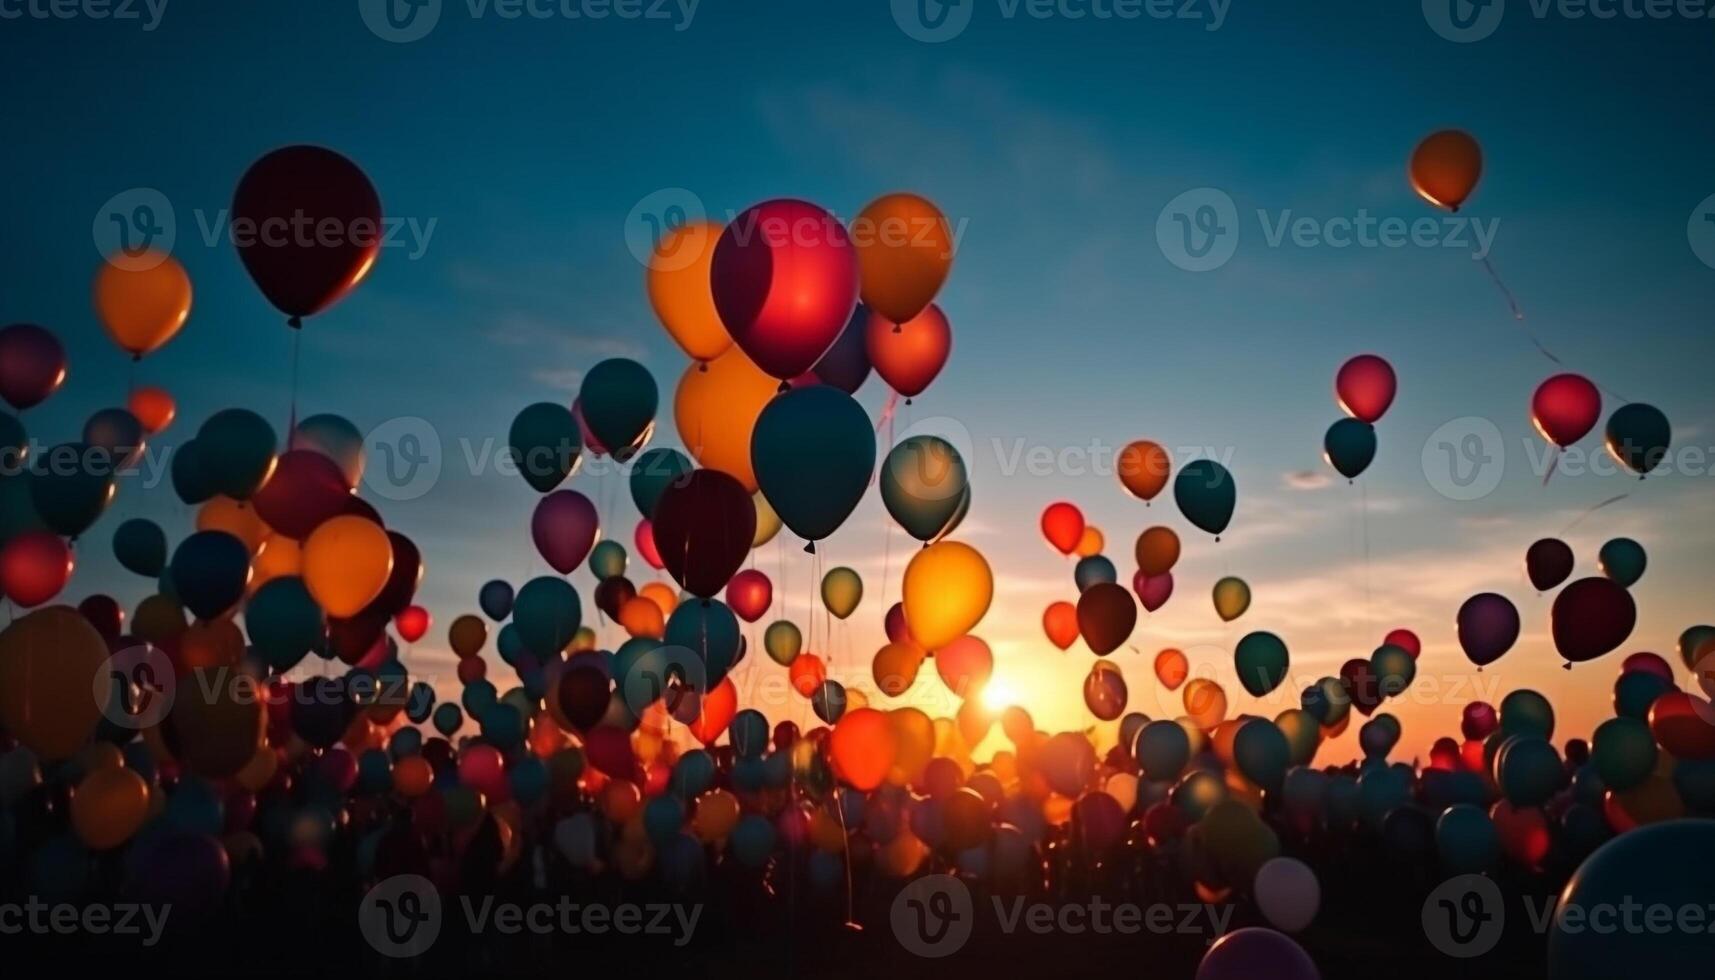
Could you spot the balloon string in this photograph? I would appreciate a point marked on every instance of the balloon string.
(1580, 518)
(1364, 526)
(292, 421)
(887, 412)
(1506, 294)
(1518, 317)
(1553, 464)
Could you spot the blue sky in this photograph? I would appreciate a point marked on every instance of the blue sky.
(1054, 143)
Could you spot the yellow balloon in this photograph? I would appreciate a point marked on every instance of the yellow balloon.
(51, 664)
(144, 303)
(716, 407)
(767, 521)
(842, 590)
(678, 284)
(236, 518)
(1205, 703)
(1232, 598)
(948, 587)
(346, 563)
(278, 556)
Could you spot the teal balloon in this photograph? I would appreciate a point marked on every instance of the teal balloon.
(547, 613)
(748, 734)
(418, 704)
(630, 654)
(1467, 840)
(1623, 560)
(235, 449)
(1350, 446)
(1525, 712)
(448, 719)
(141, 547)
(663, 816)
(752, 840)
(654, 471)
(545, 444)
(1666, 865)
(1262, 753)
(284, 622)
(17, 508)
(693, 773)
(70, 487)
(813, 450)
(607, 560)
(1530, 771)
(1695, 781)
(1261, 660)
(1638, 436)
(619, 399)
(14, 443)
(829, 701)
(1162, 749)
(1094, 570)
(339, 440)
(709, 629)
(529, 779)
(1635, 691)
(210, 570)
(1623, 752)
(509, 646)
(1206, 494)
(1394, 669)
(1379, 735)
(193, 482)
(495, 598)
(924, 486)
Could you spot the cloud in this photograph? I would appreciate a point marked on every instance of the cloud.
(1307, 480)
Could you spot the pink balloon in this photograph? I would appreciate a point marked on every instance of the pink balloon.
(644, 538)
(1153, 591)
(749, 594)
(565, 528)
(1647, 663)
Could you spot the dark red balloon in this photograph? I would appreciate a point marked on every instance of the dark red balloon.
(1106, 616)
(785, 281)
(352, 639)
(34, 567)
(703, 528)
(612, 593)
(1488, 627)
(105, 614)
(1548, 563)
(32, 364)
(307, 224)
(1361, 684)
(1365, 386)
(402, 582)
(1592, 616)
(584, 696)
(1565, 408)
(305, 489)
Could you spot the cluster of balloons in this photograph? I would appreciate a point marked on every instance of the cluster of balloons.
(1364, 387)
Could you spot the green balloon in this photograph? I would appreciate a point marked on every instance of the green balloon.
(1529, 770)
(70, 486)
(1206, 495)
(1638, 436)
(607, 560)
(235, 449)
(191, 480)
(1623, 560)
(1350, 446)
(1162, 749)
(141, 547)
(545, 444)
(547, 614)
(284, 622)
(618, 398)
(1262, 753)
(924, 485)
(1624, 752)
(1693, 642)
(782, 640)
(842, 590)
(1467, 840)
(1394, 669)
(1261, 660)
(655, 471)
(1525, 712)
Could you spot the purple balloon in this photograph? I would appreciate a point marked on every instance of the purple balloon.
(1253, 953)
(1153, 590)
(32, 364)
(846, 364)
(564, 528)
(1488, 627)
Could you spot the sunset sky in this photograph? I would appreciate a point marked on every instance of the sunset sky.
(1053, 146)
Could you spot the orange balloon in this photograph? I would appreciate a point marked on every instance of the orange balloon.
(1157, 551)
(466, 635)
(965, 666)
(905, 250)
(277, 556)
(153, 407)
(1060, 622)
(347, 561)
(1205, 703)
(236, 518)
(909, 355)
(716, 407)
(678, 284)
(807, 672)
(895, 667)
(216, 644)
(50, 663)
(1445, 168)
(1171, 668)
(642, 617)
(1063, 526)
(142, 308)
(412, 776)
(863, 747)
(717, 710)
(1144, 468)
(662, 595)
(1091, 543)
(108, 807)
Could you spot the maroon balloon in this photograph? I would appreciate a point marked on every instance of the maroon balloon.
(1253, 953)
(32, 364)
(1564, 408)
(307, 224)
(703, 528)
(1488, 627)
(584, 695)
(1548, 563)
(1153, 590)
(305, 489)
(785, 281)
(402, 582)
(105, 614)
(351, 640)
(1361, 684)
(897, 630)
(609, 750)
(612, 593)
(564, 527)
(1592, 616)
(362, 508)
(1479, 719)
(1647, 663)
(1106, 617)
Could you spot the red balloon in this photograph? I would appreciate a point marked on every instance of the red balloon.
(354, 639)
(1106, 617)
(1361, 685)
(1548, 562)
(307, 224)
(105, 614)
(412, 623)
(1592, 616)
(1060, 622)
(305, 489)
(32, 364)
(704, 524)
(909, 355)
(1153, 590)
(644, 538)
(34, 567)
(1406, 640)
(1684, 724)
(1063, 526)
(1564, 408)
(749, 594)
(785, 280)
(898, 631)
(471, 670)
(1365, 386)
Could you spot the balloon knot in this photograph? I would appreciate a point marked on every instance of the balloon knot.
(705, 603)
(135, 357)
(296, 323)
(907, 401)
(1566, 666)
(899, 328)
(809, 547)
(785, 386)
(702, 367)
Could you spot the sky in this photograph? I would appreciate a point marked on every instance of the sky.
(519, 148)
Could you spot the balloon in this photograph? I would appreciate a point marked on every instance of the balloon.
(1638, 436)
(1143, 469)
(1106, 616)
(1350, 447)
(909, 355)
(305, 489)
(108, 807)
(1662, 866)
(1361, 687)
(1564, 408)
(1091, 542)
(1548, 562)
(564, 528)
(782, 641)
(116, 432)
(402, 581)
(143, 304)
(1171, 668)
(862, 748)
(679, 290)
(1205, 493)
(1623, 752)
(34, 567)
(785, 279)
(767, 521)
(1261, 661)
(1262, 753)
(190, 481)
(644, 540)
(495, 597)
(1393, 668)
(547, 614)
(280, 213)
(209, 572)
(904, 250)
(105, 614)
(1467, 840)
(49, 659)
(1060, 622)
(749, 594)
(947, 589)
(1694, 643)
(412, 623)
(814, 453)
(32, 365)
(1163, 748)
(336, 438)
(1364, 388)
(1093, 570)
(70, 486)
(703, 530)
(653, 472)
(842, 590)
(1232, 597)
(284, 622)
(608, 558)
(1153, 590)
(153, 407)
(715, 409)
(923, 485)
(846, 364)
(235, 450)
(1525, 712)
(1623, 560)
(1445, 168)
(965, 665)
(1488, 627)
(1592, 616)
(544, 443)
(1684, 725)
(1063, 526)
(619, 398)
(711, 631)
(1104, 691)
(347, 562)
(1157, 550)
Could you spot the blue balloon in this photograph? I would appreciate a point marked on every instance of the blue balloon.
(1665, 865)
(284, 622)
(1206, 495)
(141, 546)
(655, 471)
(1094, 570)
(846, 364)
(752, 840)
(619, 399)
(209, 571)
(235, 449)
(662, 817)
(545, 444)
(510, 646)
(547, 613)
(1623, 560)
(1350, 446)
(692, 774)
(495, 597)
(607, 560)
(448, 719)
(709, 629)
(814, 453)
